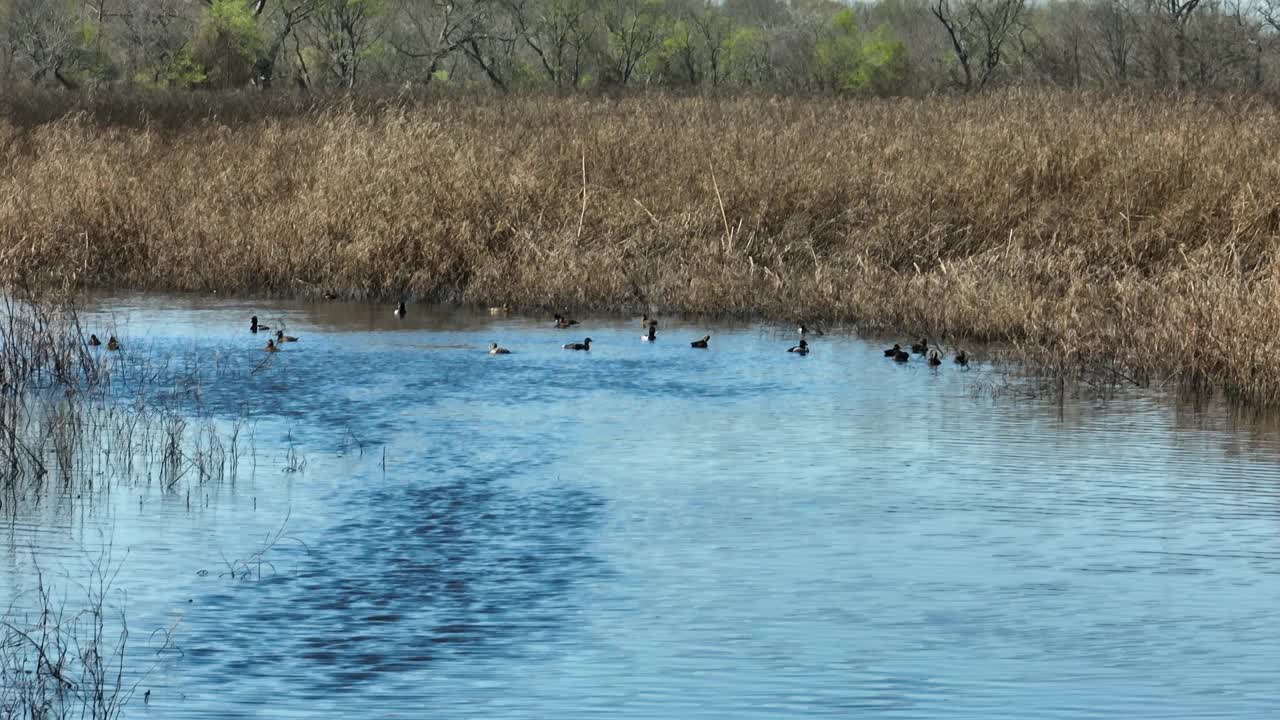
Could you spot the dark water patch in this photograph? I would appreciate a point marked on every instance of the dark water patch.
(459, 567)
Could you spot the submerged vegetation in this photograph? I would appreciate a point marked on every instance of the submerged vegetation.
(63, 659)
(72, 414)
(1131, 234)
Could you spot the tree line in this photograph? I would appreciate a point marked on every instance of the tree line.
(887, 47)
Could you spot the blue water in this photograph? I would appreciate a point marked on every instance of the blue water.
(653, 531)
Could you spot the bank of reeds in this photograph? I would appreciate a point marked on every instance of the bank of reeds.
(1136, 235)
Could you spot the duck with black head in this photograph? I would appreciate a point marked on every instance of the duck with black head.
(921, 347)
(651, 335)
(281, 338)
(901, 356)
(935, 358)
(496, 349)
(701, 344)
(962, 359)
(254, 326)
(399, 311)
(584, 345)
(94, 341)
(801, 349)
(891, 352)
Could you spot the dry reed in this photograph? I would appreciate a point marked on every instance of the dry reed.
(1134, 234)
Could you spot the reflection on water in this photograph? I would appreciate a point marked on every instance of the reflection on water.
(648, 531)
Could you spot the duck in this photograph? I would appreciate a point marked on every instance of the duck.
(701, 343)
(281, 338)
(801, 349)
(502, 309)
(893, 350)
(271, 346)
(113, 343)
(563, 322)
(399, 311)
(651, 336)
(94, 341)
(816, 332)
(254, 326)
(935, 358)
(495, 349)
(962, 359)
(648, 322)
(901, 356)
(584, 345)
(921, 347)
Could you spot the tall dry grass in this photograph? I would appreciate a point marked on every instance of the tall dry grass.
(1130, 233)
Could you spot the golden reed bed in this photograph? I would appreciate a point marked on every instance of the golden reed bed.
(1132, 233)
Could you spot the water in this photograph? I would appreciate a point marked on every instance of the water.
(653, 531)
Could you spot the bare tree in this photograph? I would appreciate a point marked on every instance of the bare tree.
(1178, 14)
(284, 19)
(713, 29)
(634, 31)
(45, 37)
(558, 32)
(344, 30)
(1248, 17)
(153, 34)
(978, 30)
(434, 30)
(1113, 38)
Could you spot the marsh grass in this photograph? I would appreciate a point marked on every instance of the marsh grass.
(76, 421)
(1122, 237)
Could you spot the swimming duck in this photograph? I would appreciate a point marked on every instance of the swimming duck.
(801, 349)
(584, 345)
(94, 341)
(701, 343)
(653, 334)
(816, 332)
(962, 359)
(893, 350)
(500, 310)
(563, 322)
(901, 356)
(646, 321)
(281, 338)
(935, 358)
(921, 347)
(113, 343)
(494, 349)
(399, 311)
(254, 326)
(271, 346)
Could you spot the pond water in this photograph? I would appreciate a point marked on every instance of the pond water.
(653, 531)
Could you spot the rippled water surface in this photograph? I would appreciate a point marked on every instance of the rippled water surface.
(652, 531)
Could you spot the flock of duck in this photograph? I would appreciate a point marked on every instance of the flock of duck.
(932, 355)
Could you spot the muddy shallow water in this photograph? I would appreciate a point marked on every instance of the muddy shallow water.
(653, 531)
